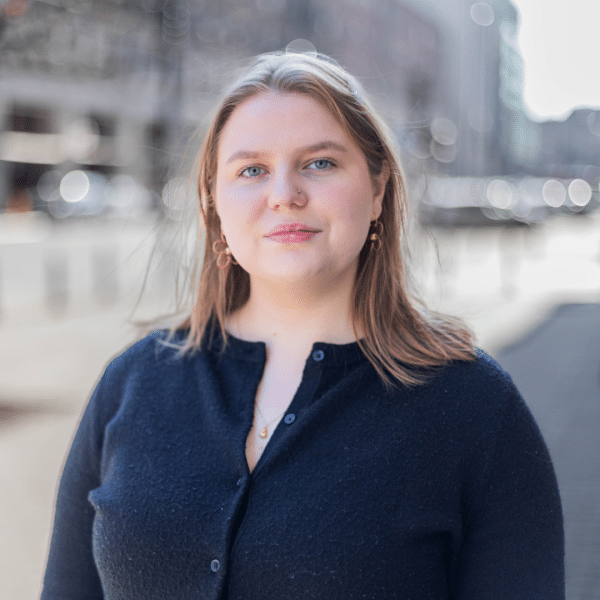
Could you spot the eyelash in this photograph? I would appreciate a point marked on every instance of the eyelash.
(330, 165)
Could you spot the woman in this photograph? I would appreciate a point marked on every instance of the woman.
(306, 432)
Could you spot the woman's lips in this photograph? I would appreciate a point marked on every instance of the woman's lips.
(292, 237)
(292, 233)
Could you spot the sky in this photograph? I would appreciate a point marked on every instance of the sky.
(559, 41)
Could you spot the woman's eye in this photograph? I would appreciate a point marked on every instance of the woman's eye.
(321, 164)
(252, 172)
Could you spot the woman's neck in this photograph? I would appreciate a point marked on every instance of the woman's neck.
(292, 320)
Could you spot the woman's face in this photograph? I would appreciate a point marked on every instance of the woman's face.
(293, 191)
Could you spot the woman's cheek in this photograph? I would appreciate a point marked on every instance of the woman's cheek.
(244, 202)
(229, 204)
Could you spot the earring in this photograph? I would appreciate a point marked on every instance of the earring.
(375, 235)
(223, 252)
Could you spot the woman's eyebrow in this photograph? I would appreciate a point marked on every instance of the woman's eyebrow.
(324, 145)
(242, 154)
(318, 147)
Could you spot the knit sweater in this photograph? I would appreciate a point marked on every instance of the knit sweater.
(440, 491)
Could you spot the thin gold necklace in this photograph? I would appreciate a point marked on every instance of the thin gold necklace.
(265, 430)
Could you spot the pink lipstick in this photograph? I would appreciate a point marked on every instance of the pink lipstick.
(292, 233)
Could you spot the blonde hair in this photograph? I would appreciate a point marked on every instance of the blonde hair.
(401, 341)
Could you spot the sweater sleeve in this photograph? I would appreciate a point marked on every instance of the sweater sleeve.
(513, 543)
(70, 571)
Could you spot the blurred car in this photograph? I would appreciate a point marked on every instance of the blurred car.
(84, 193)
(470, 201)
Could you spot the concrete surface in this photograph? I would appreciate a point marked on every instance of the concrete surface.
(556, 366)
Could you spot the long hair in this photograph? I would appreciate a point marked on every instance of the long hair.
(402, 342)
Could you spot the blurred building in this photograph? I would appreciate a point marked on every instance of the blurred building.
(570, 148)
(115, 86)
(479, 88)
(83, 85)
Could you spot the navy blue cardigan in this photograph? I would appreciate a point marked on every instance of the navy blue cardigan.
(441, 491)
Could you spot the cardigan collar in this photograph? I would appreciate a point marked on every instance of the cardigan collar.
(329, 355)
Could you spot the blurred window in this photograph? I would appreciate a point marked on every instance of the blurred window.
(106, 125)
(30, 119)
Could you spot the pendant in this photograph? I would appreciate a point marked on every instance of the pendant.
(263, 433)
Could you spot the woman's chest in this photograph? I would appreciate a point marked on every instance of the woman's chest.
(351, 489)
(341, 455)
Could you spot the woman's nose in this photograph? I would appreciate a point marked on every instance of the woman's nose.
(286, 192)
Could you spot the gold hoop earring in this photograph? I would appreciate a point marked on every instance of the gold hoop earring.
(223, 252)
(376, 234)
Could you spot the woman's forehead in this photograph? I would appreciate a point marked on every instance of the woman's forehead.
(282, 119)
(274, 100)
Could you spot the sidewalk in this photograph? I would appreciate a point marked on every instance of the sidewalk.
(557, 369)
(46, 377)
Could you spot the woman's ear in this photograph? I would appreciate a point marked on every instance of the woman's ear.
(379, 185)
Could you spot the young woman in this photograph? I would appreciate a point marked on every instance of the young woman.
(307, 432)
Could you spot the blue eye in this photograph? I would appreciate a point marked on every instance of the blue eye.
(321, 164)
(252, 172)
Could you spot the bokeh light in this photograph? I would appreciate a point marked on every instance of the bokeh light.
(74, 186)
(482, 13)
(593, 123)
(301, 46)
(125, 194)
(176, 197)
(444, 131)
(580, 192)
(480, 118)
(444, 153)
(81, 139)
(500, 194)
(554, 193)
(48, 185)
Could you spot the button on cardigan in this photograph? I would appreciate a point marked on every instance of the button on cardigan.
(440, 491)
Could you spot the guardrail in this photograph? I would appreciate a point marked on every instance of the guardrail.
(58, 265)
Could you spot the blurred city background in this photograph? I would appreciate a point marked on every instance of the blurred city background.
(102, 107)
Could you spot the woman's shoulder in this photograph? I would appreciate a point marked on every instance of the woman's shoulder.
(471, 388)
(474, 403)
(152, 352)
(481, 372)
(139, 370)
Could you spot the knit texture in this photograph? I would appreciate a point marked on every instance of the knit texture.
(441, 491)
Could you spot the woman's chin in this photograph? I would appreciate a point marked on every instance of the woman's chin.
(309, 277)
(293, 277)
